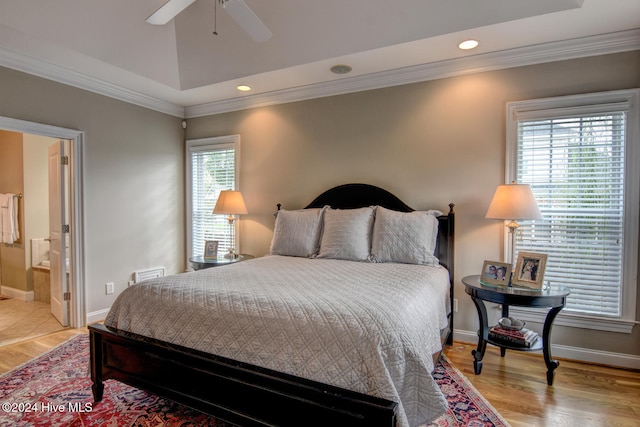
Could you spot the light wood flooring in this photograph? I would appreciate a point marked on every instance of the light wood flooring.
(21, 320)
(583, 395)
(14, 355)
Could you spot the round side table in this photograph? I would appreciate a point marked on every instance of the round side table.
(554, 298)
(199, 262)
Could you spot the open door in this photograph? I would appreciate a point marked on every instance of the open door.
(57, 236)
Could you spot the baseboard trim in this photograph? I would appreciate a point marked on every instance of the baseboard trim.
(97, 316)
(620, 360)
(16, 293)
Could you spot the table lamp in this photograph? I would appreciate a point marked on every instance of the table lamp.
(513, 202)
(231, 203)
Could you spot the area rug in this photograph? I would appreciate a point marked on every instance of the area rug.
(54, 389)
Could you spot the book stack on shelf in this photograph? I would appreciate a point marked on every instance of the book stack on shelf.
(522, 338)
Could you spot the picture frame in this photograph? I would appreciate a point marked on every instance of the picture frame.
(529, 272)
(495, 273)
(210, 249)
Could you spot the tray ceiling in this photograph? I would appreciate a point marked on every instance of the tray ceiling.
(184, 64)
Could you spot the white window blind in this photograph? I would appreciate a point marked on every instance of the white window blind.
(212, 167)
(575, 166)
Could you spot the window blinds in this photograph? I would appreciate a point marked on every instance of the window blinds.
(213, 170)
(575, 166)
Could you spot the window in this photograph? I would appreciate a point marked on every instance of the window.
(212, 166)
(580, 156)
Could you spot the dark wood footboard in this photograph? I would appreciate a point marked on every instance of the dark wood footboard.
(235, 392)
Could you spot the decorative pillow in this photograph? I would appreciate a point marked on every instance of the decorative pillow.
(297, 233)
(406, 237)
(346, 234)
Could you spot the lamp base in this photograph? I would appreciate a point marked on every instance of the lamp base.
(231, 254)
(513, 229)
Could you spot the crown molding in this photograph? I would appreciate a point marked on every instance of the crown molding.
(30, 65)
(548, 52)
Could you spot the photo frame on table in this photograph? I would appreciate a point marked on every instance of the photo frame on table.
(529, 272)
(495, 273)
(211, 249)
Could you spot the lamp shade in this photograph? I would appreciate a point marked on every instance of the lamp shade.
(230, 202)
(513, 201)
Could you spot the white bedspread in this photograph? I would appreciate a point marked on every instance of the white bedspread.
(368, 327)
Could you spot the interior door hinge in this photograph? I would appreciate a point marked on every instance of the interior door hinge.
(67, 296)
(65, 228)
(64, 160)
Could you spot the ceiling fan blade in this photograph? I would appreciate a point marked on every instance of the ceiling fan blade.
(168, 11)
(249, 21)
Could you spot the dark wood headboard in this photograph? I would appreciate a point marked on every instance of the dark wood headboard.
(353, 196)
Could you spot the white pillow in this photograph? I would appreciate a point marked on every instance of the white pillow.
(405, 237)
(297, 233)
(346, 234)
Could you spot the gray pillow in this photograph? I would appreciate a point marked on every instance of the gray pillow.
(297, 233)
(405, 237)
(346, 234)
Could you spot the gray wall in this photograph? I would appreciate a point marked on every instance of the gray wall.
(133, 178)
(430, 143)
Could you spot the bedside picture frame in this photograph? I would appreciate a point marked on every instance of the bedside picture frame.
(495, 273)
(210, 249)
(529, 272)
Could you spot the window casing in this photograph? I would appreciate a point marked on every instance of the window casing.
(212, 165)
(580, 154)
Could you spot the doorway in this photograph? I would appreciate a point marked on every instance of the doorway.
(74, 216)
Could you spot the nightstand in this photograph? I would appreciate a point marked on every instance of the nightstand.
(554, 298)
(199, 262)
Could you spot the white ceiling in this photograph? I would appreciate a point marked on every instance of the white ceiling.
(183, 69)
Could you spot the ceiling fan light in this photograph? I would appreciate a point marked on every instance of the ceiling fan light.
(468, 44)
(168, 11)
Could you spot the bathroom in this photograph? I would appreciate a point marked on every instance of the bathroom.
(25, 309)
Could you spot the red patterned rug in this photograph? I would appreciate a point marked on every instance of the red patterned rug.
(54, 389)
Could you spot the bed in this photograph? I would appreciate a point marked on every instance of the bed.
(291, 340)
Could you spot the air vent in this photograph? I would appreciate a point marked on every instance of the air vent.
(152, 273)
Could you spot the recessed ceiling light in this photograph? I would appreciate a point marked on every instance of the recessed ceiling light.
(468, 44)
(341, 69)
(243, 88)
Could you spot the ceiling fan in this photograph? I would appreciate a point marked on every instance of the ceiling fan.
(237, 9)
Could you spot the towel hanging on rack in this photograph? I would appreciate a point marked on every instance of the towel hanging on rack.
(9, 218)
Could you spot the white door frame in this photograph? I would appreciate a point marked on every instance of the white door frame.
(77, 315)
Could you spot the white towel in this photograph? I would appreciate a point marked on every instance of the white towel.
(9, 218)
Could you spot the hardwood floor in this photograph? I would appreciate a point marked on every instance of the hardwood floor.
(20, 320)
(14, 355)
(583, 395)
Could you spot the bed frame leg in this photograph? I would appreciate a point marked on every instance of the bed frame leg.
(98, 390)
(449, 340)
(95, 354)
